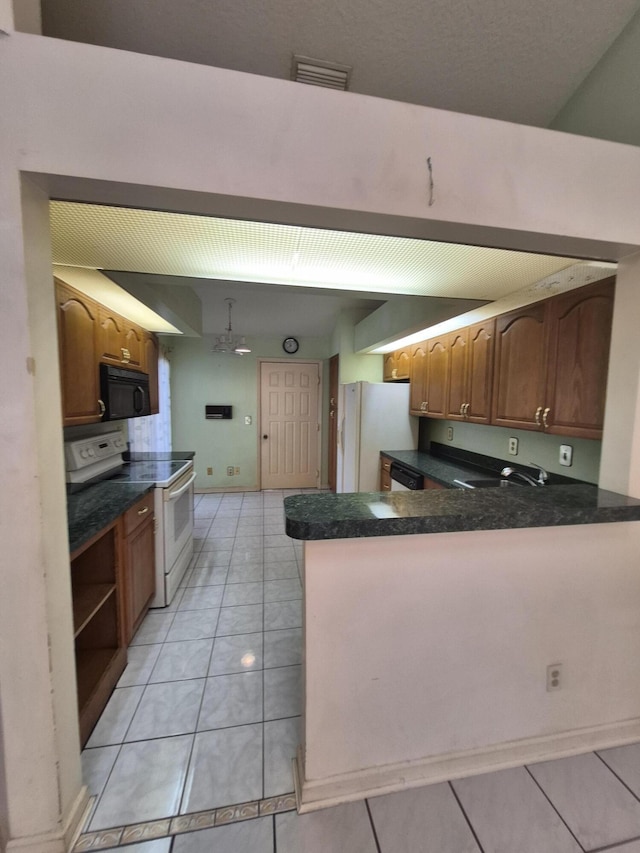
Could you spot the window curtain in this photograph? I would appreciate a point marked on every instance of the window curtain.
(153, 433)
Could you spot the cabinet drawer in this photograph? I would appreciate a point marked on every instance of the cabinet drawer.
(138, 514)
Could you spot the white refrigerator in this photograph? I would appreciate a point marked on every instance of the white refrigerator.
(372, 416)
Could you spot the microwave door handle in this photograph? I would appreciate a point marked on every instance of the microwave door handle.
(173, 496)
(138, 389)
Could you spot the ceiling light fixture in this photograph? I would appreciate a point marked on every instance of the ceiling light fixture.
(228, 342)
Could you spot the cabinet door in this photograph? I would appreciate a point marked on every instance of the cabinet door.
(134, 345)
(418, 377)
(385, 474)
(390, 367)
(139, 577)
(403, 363)
(480, 371)
(520, 371)
(150, 365)
(437, 377)
(77, 334)
(111, 337)
(580, 335)
(457, 384)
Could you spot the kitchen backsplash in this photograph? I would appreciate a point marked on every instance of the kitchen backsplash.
(535, 447)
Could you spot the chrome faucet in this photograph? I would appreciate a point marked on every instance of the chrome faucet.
(511, 472)
(542, 474)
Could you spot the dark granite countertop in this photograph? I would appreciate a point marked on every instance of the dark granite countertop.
(433, 467)
(364, 514)
(92, 509)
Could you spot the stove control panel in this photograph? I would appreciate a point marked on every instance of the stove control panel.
(83, 452)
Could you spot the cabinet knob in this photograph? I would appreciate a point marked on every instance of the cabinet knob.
(102, 407)
(462, 409)
(545, 415)
(537, 415)
(143, 510)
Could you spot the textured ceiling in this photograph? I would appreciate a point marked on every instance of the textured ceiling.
(144, 241)
(516, 60)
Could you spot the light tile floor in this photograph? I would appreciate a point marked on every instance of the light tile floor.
(206, 715)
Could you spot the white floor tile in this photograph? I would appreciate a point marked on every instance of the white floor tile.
(182, 660)
(288, 589)
(96, 767)
(282, 614)
(236, 653)
(510, 813)
(251, 836)
(244, 619)
(231, 700)
(154, 628)
(596, 806)
(115, 719)
(281, 739)
(193, 625)
(167, 709)
(280, 571)
(243, 593)
(201, 598)
(225, 768)
(343, 829)
(625, 763)
(282, 648)
(426, 819)
(282, 692)
(133, 795)
(140, 663)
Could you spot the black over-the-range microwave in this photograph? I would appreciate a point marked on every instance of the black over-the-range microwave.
(124, 392)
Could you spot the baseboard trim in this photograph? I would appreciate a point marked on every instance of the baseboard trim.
(375, 781)
(60, 840)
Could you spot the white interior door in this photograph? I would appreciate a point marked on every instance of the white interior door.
(289, 425)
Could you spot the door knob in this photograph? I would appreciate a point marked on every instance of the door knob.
(265, 436)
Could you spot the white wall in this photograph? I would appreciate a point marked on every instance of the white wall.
(200, 377)
(353, 366)
(98, 124)
(433, 665)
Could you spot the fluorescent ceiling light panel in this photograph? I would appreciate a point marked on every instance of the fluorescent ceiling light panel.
(158, 242)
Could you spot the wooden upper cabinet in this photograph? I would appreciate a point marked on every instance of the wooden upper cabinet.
(77, 316)
(390, 367)
(418, 377)
(579, 339)
(134, 345)
(111, 337)
(458, 343)
(521, 367)
(397, 365)
(437, 377)
(480, 356)
(151, 350)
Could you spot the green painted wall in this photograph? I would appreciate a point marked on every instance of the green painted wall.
(353, 366)
(199, 376)
(532, 446)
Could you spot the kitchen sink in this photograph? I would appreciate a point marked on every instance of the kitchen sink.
(485, 483)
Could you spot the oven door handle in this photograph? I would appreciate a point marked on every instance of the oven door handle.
(173, 496)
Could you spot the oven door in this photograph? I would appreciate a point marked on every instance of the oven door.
(177, 504)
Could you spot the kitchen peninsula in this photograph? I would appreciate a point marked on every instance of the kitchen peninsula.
(431, 619)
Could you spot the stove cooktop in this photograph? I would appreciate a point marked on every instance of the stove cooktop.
(162, 472)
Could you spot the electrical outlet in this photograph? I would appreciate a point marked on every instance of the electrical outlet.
(554, 677)
(236, 471)
(247, 420)
(566, 455)
(230, 471)
(450, 433)
(209, 472)
(513, 446)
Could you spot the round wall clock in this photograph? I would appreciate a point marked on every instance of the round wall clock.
(290, 345)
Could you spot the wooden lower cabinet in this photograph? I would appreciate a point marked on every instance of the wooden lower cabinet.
(100, 651)
(432, 484)
(138, 564)
(385, 474)
(112, 583)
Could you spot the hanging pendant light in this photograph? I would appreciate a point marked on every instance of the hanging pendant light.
(228, 342)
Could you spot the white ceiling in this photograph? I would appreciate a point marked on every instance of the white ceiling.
(517, 60)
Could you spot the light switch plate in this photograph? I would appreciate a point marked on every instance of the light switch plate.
(566, 455)
(513, 446)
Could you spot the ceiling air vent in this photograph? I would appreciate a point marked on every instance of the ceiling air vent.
(317, 72)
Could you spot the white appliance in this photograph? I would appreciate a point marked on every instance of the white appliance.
(99, 457)
(372, 416)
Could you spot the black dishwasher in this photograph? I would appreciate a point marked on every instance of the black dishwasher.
(405, 479)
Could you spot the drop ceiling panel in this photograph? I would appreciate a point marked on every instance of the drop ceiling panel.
(205, 247)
